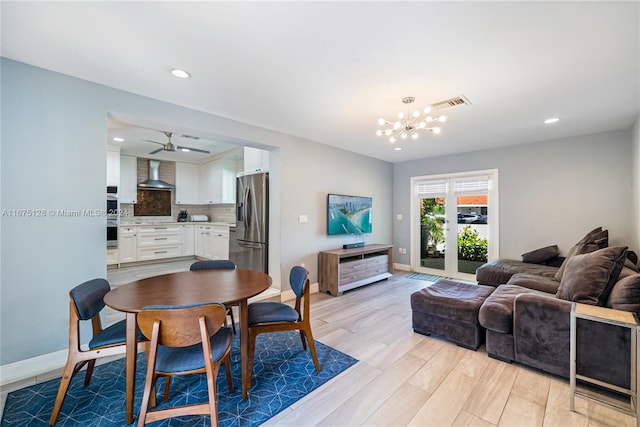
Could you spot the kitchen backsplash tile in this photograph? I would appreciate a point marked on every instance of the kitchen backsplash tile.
(216, 213)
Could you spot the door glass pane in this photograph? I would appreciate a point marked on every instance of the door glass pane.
(432, 240)
(473, 233)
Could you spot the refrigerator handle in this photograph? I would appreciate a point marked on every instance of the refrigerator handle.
(247, 207)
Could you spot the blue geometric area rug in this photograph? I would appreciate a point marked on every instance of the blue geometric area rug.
(283, 373)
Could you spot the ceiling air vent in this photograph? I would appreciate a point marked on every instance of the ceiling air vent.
(458, 101)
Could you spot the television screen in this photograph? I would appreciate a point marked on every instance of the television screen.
(348, 214)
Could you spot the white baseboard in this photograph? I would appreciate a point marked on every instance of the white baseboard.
(402, 267)
(29, 368)
(289, 295)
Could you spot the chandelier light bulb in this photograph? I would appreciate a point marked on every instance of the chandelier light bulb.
(393, 139)
(443, 119)
(422, 125)
(427, 110)
(436, 130)
(381, 121)
(429, 119)
(416, 114)
(379, 132)
(397, 125)
(403, 135)
(388, 132)
(414, 135)
(401, 115)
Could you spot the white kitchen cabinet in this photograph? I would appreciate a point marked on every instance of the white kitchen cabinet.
(159, 241)
(220, 243)
(203, 241)
(113, 167)
(128, 190)
(255, 160)
(187, 184)
(188, 239)
(212, 241)
(218, 182)
(128, 244)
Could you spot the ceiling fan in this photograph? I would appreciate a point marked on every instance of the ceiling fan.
(169, 146)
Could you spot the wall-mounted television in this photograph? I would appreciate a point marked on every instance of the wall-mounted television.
(348, 214)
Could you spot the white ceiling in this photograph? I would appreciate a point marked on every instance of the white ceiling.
(326, 71)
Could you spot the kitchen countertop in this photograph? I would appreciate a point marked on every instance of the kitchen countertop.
(147, 223)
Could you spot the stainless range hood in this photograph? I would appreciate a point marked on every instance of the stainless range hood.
(154, 182)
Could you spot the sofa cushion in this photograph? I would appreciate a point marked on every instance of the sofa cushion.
(496, 313)
(592, 241)
(498, 272)
(534, 281)
(588, 278)
(541, 254)
(625, 294)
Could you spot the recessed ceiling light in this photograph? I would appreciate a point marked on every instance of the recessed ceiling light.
(185, 150)
(397, 148)
(117, 139)
(181, 74)
(551, 120)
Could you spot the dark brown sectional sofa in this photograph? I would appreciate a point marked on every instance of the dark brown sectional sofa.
(527, 317)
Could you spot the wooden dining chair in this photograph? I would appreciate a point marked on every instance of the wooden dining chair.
(217, 264)
(86, 303)
(277, 317)
(185, 340)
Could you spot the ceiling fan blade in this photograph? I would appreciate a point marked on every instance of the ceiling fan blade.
(193, 149)
(155, 142)
(156, 151)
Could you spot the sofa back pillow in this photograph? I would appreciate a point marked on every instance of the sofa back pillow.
(588, 278)
(625, 294)
(540, 255)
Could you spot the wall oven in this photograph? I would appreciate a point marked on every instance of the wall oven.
(112, 217)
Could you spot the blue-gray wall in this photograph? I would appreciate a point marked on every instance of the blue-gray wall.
(551, 192)
(53, 156)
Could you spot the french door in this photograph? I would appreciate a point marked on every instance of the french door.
(454, 223)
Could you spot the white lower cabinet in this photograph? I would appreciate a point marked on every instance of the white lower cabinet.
(188, 240)
(128, 244)
(151, 242)
(212, 242)
(159, 241)
(220, 243)
(158, 252)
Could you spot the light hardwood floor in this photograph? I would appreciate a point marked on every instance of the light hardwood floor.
(407, 379)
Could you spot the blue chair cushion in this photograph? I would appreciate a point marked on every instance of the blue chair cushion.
(268, 312)
(114, 334)
(182, 359)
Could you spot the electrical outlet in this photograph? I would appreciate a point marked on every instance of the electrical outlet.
(302, 219)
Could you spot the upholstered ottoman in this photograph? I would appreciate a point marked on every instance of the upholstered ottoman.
(450, 309)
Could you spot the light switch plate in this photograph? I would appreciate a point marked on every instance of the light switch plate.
(303, 219)
(399, 217)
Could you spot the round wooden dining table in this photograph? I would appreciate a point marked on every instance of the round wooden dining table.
(187, 287)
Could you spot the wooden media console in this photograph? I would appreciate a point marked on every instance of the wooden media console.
(344, 269)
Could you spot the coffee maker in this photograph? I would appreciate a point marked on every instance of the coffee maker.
(182, 216)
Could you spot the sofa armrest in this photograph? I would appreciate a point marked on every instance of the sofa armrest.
(541, 332)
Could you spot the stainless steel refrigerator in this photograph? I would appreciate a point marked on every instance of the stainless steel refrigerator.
(249, 243)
